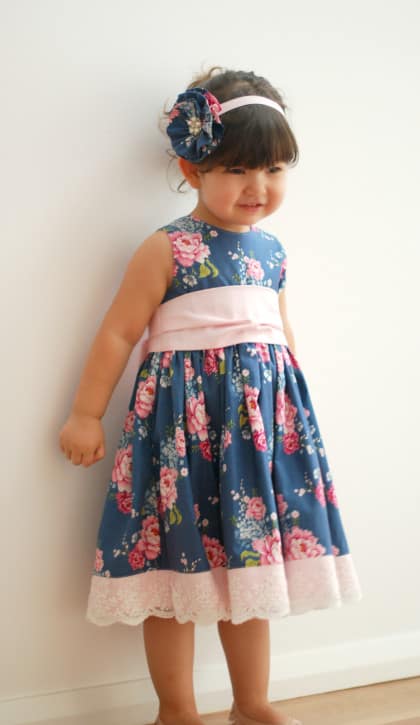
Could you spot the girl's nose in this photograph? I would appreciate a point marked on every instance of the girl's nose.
(255, 181)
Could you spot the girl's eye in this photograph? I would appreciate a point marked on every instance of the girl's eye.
(275, 169)
(235, 170)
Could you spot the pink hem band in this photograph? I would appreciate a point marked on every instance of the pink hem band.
(277, 590)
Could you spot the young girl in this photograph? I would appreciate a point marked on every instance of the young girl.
(221, 505)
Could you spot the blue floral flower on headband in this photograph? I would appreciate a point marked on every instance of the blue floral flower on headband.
(194, 125)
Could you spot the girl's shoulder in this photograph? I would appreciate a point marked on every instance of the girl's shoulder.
(268, 243)
(267, 235)
(185, 223)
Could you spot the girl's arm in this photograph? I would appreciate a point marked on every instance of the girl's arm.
(286, 324)
(145, 282)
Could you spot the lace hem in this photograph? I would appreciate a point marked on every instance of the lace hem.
(264, 592)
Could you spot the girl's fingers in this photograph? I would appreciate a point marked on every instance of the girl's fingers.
(76, 458)
(99, 453)
(87, 460)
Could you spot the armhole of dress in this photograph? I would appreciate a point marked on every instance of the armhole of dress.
(168, 228)
(283, 267)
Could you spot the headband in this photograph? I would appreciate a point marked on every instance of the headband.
(248, 100)
(194, 125)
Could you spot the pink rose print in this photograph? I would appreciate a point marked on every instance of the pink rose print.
(291, 443)
(124, 502)
(302, 544)
(206, 450)
(332, 496)
(166, 358)
(290, 413)
(260, 441)
(174, 113)
(290, 358)
(262, 351)
(197, 417)
(279, 360)
(255, 417)
(281, 504)
(145, 396)
(214, 551)
(335, 550)
(256, 508)
(160, 505)
(320, 493)
(214, 106)
(254, 413)
(122, 471)
(99, 562)
(180, 442)
(129, 422)
(168, 492)
(210, 359)
(269, 548)
(283, 269)
(136, 556)
(150, 536)
(227, 439)
(253, 268)
(188, 248)
(280, 408)
(293, 360)
(210, 362)
(188, 369)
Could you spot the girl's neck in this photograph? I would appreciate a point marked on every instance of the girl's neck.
(202, 213)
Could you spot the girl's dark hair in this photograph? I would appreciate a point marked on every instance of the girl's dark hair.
(254, 136)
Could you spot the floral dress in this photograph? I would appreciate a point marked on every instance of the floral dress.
(221, 503)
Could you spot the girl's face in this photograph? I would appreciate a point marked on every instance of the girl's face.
(235, 198)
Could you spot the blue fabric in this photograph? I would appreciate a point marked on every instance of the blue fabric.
(194, 128)
(220, 461)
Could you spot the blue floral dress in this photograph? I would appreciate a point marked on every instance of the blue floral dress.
(221, 503)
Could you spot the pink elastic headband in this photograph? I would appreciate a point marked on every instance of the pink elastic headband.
(246, 100)
(195, 127)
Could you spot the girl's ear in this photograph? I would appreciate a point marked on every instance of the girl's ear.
(190, 172)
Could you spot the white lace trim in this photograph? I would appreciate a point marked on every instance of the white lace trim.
(264, 592)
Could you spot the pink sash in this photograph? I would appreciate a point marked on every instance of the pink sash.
(215, 317)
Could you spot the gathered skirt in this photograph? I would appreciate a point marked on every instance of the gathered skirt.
(221, 504)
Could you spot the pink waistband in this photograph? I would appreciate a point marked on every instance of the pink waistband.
(215, 317)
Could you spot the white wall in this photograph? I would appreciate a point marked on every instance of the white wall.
(83, 171)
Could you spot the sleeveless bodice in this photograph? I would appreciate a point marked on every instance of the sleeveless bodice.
(207, 256)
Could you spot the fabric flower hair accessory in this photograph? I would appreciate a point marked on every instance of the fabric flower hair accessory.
(194, 125)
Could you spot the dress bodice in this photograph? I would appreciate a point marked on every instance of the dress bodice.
(207, 256)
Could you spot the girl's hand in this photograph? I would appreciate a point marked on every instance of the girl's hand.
(82, 439)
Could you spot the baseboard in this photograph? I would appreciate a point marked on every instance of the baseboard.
(305, 672)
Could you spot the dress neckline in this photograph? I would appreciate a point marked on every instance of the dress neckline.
(194, 218)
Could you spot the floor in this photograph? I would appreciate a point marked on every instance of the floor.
(380, 704)
(388, 703)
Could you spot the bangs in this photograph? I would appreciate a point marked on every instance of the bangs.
(254, 137)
